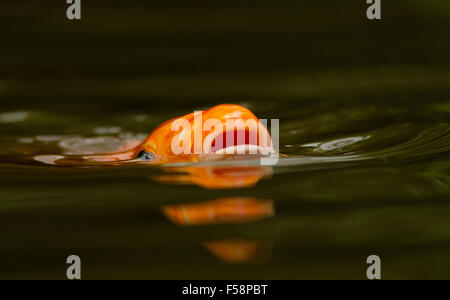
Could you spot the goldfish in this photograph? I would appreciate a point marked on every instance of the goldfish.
(191, 138)
(225, 131)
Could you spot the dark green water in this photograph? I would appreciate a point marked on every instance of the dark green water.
(364, 113)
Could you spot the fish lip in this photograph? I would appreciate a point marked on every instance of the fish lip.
(245, 149)
(260, 148)
(233, 152)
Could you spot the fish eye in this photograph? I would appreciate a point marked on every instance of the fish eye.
(144, 155)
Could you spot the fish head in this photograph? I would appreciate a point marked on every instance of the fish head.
(222, 131)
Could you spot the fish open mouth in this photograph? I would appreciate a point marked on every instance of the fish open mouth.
(240, 142)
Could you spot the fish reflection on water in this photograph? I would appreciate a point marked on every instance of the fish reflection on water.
(216, 177)
(223, 211)
(241, 251)
(227, 211)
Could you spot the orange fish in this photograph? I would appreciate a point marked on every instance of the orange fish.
(218, 132)
(223, 131)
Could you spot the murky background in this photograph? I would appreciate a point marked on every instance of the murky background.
(364, 110)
